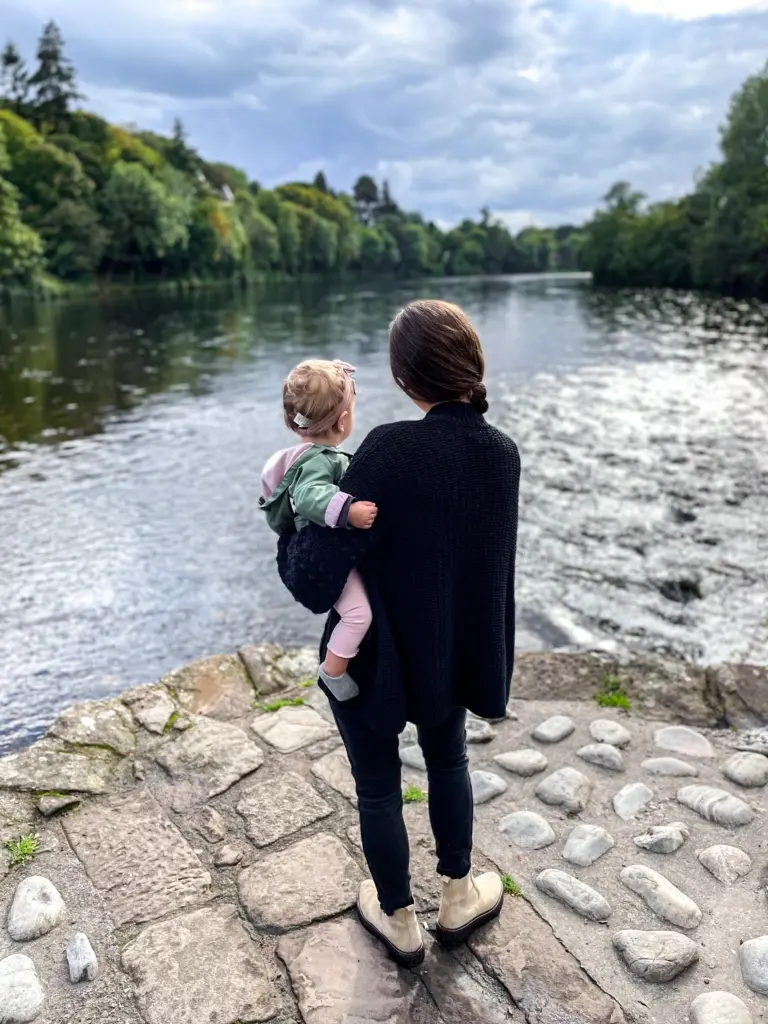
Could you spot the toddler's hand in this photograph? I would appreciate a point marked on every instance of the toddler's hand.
(362, 515)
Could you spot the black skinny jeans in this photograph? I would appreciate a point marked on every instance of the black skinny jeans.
(375, 762)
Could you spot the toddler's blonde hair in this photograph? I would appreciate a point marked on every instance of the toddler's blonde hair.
(312, 392)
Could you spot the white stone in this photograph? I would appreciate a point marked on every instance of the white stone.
(83, 965)
(413, 757)
(603, 730)
(292, 727)
(661, 896)
(586, 844)
(566, 788)
(747, 770)
(753, 957)
(656, 956)
(486, 786)
(574, 893)
(554, 729)
(716, 805)
(679, 739)
(48, 805)
(478, 730)
(669, 766)
(726, 863)
(152, 707)
(630, 800)
(603, 755)
(663, 838)
(527, 830)
(227, 856)
(522, 762)
(410, 735)
(719, 1008)
(21, 994)
(37, 908)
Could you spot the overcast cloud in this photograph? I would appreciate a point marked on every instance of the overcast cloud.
(531, 107)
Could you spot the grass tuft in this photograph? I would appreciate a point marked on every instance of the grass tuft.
(414, 795)
(174, 717)
(23, 850)
(284, 702)
(612, 695)
(305, 684)
(511, 888)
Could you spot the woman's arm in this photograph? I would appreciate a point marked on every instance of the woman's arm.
(315, 562)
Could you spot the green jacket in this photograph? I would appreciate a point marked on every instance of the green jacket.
(309, 491)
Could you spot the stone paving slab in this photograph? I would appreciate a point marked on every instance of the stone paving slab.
(291, 728)
(137, 857)
(308, 881)
(276, 807)
(44, 766)
(201, 967)
(218, 687)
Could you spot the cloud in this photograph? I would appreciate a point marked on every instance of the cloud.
(531, 107)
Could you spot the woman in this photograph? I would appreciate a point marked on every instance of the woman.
(439, 570)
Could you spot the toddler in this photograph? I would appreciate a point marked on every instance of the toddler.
(301, 485)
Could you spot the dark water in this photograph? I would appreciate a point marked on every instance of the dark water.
(132, 436)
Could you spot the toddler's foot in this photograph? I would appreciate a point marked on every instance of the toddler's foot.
(342, 687)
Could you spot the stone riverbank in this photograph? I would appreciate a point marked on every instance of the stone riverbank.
(197, 855)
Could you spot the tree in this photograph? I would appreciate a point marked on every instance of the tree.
(320, 183)
(20, 247)
(366, 196)
(74, 238)
(14, 79)
(179, 153)
(145, 222)
(54, 81)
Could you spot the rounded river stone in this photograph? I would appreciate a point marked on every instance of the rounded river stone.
(486, 786)
(726, 863)
(412, 757)
(21, 994)
(753, 957)
(669, 766)
(656, 956)
(661, 896)
(603, 755)
(630, 800)
(747, 770)
(574, 894)
(37, 908)
(554, 729)
(527, 830)
(522, 762)
(81, 959)
(586, 844)
(679, 739)
(716, 805)
(566, 788)
(603, 730)
(663, 838)
(479, 731)
(719, 1008)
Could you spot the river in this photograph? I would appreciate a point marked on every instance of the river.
(132, 434)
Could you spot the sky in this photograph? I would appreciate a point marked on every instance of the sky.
(533, 108)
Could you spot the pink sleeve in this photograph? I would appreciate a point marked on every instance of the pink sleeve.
(335, 508)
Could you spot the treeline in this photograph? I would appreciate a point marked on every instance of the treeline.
(81, 198)
(715, 238)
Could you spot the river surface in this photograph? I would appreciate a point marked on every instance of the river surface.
(132, 435)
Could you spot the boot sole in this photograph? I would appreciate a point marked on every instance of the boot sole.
(401, 959)
(450, 938)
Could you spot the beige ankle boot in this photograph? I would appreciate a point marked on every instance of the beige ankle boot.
(467, 903)
(400, 933)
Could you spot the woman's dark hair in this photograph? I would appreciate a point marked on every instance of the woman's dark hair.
(435, 354)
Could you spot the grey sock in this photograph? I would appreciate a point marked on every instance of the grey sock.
(342, 687)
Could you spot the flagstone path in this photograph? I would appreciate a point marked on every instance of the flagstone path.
(199, 856)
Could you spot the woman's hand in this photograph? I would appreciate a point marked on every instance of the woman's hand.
(362, 515)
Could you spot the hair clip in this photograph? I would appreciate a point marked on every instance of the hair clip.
(301, 421)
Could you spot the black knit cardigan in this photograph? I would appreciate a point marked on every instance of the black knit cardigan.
(438, 566)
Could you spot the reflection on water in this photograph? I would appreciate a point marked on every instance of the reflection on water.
(132, 435)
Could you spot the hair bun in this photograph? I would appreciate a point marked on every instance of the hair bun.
(478, 397)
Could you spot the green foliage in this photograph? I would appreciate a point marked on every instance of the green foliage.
(23, 849)
(74, 238)
(511, 888)
(283, 702)
(20, 247)
(54, 81)
(612, 695)
(414, 795)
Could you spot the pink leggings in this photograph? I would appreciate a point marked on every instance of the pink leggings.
(356, 618)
